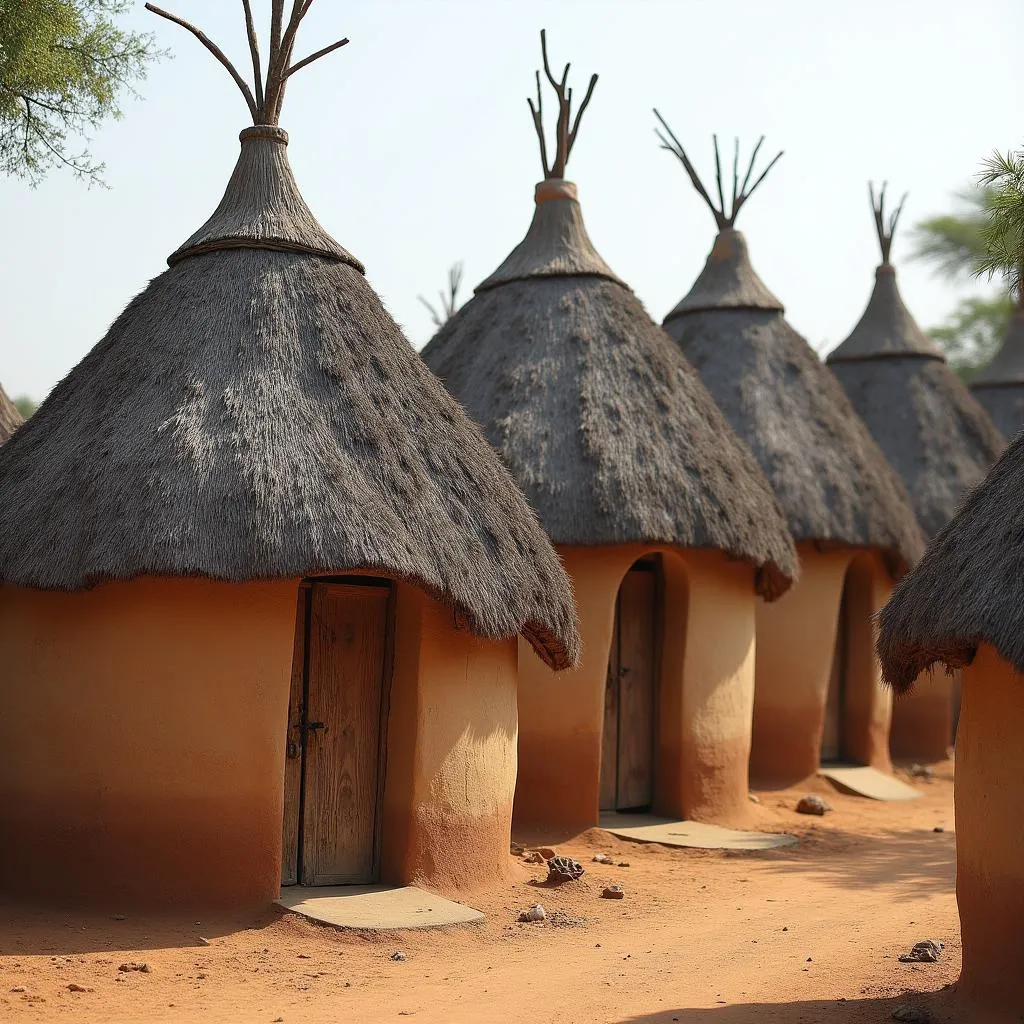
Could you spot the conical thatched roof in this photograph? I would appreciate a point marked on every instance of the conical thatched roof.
(969, 586)
(255, 413)
(936, 436)
(831, 479)
(1000, 385)
(10, 418)
(606, 427)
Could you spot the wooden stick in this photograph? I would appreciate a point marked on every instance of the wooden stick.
(254, 50)
(538, 123)
(315, 56)
(676, 148)
(718, 175)
(216, 51)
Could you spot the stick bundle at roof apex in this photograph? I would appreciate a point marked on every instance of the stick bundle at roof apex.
(565, 137)
(265, 101)
(886, 231)
(740, 193)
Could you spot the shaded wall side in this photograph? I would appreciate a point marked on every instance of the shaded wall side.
(707, 688)
(867, 710)
(452, 738)
(989, 839)
(796, 638)
(143, 728)
(922, 720)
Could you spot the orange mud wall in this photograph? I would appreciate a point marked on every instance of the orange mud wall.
(922, 720)
(989, 838)
(142, 741)
(451, 751)
(796, 638)
(704, 702)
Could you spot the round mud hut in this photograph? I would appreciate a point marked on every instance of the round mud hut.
(819, 696)
(962, 607)
(666, 525)
(261, 583)
(934, 434)
(10, 418)
(1000, 385)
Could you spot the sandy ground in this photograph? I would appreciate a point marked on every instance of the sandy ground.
(810, 934)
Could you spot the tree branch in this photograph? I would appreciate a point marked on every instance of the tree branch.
(676, 148)
(718, 175)
(538, 123)
(315, 56)
(254, 50)
(216, 51)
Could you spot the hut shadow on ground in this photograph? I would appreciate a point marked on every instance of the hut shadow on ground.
(814, 1011)
(27, 931)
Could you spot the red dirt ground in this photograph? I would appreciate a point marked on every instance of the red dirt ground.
(806, 934)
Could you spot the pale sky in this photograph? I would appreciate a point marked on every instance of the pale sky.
(414, 147)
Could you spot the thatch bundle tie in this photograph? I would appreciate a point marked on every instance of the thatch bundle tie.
(740, 193)
(264, 102)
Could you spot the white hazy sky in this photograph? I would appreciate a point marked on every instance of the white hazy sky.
(414, 147)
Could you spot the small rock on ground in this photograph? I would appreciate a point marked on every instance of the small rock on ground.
(535, 913)
(564, 869)
(399, 957)
(602, 858)
(939, 828)
(812, 804)
(613, 892)
(18, 988)
(926, 952)
(546, 852)
(534, 857)
(133, 966)
(912, 1015)
(754, 799)
(78, 988)
(203, 942)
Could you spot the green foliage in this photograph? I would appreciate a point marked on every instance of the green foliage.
(25, 405)
(954, 242)
(64, 65)
(1003, 233)
(972, 334)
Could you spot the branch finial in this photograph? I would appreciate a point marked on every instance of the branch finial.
(725, 217)
(565, 127)
(885, 229)
(265, 102)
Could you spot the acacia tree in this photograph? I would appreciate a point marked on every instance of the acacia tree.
(64, 68)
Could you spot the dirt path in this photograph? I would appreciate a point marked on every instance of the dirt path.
(810, 933)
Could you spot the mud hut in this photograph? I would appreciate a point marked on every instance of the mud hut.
(10, 418)
(262, 581)
(962, 607)
(818, 695)
(667, 527)
(999, 387)
(934, 434)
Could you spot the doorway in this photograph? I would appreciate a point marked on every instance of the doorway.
(832, 747)
(628, 744)
(337, 716)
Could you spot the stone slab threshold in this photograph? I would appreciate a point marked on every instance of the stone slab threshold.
(647, 828)
(869, 782)
(376, 907)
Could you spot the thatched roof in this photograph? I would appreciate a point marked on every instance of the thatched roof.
(1000, 385)
(605, 426)
(968, 588)
(831, 479)
(935, 435)
(10, 418)
(255, 413)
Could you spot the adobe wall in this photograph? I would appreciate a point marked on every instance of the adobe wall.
(451, 742)
(141, 731)
(989, 839)
(705, 694)
(922, 720)
(795, 644)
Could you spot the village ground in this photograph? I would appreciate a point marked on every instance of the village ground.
(811, 934)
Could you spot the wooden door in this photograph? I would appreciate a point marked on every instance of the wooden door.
(341, 724)
(293, 747)
(832, 734)
(627, 760)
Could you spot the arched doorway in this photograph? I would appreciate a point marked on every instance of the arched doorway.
(337, 716)
(631, 691)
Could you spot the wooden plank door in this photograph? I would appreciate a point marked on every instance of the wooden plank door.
(345, 696)
(832, 734)
(637, 666)
(610, 736)
(293, 748)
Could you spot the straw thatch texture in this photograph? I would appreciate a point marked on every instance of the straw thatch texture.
(256, 413)
(604, 425)
(831, 479)
(10, 418)
(934, 434)
(969, 586)
(1000, 385)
